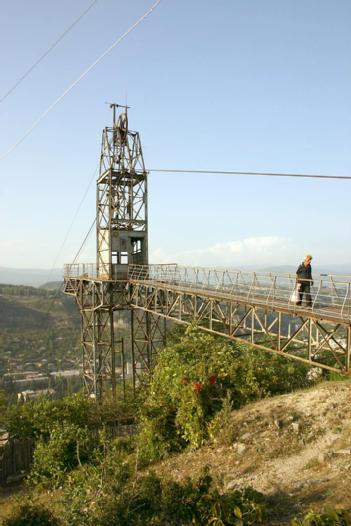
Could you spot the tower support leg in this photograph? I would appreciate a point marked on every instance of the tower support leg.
(149, 333)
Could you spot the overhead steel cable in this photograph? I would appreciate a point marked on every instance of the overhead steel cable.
(81, 77)
(255, 174)
(61, 281)
(75, 215)
(84, 241)
(46, 53)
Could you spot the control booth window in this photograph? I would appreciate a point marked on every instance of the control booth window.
(136, 246)
(119, 258)
(124, 258)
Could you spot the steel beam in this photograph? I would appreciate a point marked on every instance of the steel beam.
(316, 341)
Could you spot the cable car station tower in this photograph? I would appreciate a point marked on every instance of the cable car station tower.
(121, 201)
(102, 290)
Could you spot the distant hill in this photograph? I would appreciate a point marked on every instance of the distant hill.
(24, 306)
(15, 315)
(47, 279)
(31, 276)
(37, 324)
(52, 285)
(337, 269)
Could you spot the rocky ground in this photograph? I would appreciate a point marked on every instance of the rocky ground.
(296, 448)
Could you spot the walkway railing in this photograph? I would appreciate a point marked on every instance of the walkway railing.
(80, 270)
(329, 295)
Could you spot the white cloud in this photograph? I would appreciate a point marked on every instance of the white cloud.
(261, 250)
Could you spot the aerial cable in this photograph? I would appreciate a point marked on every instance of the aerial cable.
(73, 221)
(56, 289)
(81, 77)
(61, 282)
(84, 241)
(257, 174)
(45, 54)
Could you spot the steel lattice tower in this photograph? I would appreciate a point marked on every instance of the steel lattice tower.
(122, 240)
(121, 214)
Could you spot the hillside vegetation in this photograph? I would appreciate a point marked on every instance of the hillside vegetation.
(37, 327)
(32, 277)
(15, 315)
(226, 436)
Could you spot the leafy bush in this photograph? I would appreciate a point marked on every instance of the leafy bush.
(66, 432)
(192, 378)
(36, 419)
(152, 501)
(32, 515)
(133, 500)
(94, 483)
(220, 426)
(330, 517)
(67, 446)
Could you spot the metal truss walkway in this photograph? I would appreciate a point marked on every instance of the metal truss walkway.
(252, 307)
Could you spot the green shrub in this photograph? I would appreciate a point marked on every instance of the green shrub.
(66, 433)
(140, 500)
(329, 517)
(94, 484)
(67, 446)
(37, 419)
(220, 426)
(32, 515)
(193, 377)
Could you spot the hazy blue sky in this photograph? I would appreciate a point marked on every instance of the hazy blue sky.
(230, 84)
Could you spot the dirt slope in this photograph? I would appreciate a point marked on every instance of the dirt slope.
(295, 447)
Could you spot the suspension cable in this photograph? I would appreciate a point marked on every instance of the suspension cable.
(84, 241)
(81, 77)
(255, 174)
(46, 53)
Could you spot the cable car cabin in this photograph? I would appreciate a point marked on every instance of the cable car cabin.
(127, 249)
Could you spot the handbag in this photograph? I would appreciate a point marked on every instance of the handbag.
(295, 296)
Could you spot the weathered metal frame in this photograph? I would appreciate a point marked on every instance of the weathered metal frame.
(121, 192)
(149, 333)
(101, 288)
(331, 297)
(97, 300)
(315, 340)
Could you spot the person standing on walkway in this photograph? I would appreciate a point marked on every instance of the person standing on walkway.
(304, 281)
